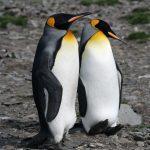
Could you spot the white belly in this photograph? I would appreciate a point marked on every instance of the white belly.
(66, 70)
(99, 76)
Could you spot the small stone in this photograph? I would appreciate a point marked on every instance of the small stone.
(15, 36)
(4, 50)
(138, 107)
(138, 148)
(33, 23)
(99, 145)
(144, 76)
(4, 118)
(136, 29)
(128, 116)
(31, 116)
(140, 144)
(8, 147)
(92, 145)
(138, 136)
(124, 134)
(11, 102)
(124, 140)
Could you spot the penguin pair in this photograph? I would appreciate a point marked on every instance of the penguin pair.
(55, 76)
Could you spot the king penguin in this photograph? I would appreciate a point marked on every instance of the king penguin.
(55, 77)
(100, 82)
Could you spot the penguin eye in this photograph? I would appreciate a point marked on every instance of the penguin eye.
(51, 21)
(94, 22)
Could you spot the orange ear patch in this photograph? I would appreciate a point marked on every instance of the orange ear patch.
(94, 22)
(51, 21)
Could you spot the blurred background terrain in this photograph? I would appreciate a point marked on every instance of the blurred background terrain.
(21, 25)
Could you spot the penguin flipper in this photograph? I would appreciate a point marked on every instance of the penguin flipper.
(120, 82)
(53, 91)
(82, 98)
(99, 127)
(113, 130)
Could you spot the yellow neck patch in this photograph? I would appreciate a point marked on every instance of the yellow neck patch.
(69, 37)
(94, 22)
(98, 44)
(98, 37)
(51, 21)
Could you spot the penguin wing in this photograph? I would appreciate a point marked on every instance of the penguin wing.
(119, 79)
(43, 77)
(82, 98)
(120, 82)
(53, 93)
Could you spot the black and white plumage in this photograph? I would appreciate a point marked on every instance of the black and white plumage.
(100, 83)
(54, 79)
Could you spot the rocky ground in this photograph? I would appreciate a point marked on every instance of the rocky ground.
(18, 117)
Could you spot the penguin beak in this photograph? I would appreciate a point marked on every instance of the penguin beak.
(79, 16)
(114, 36)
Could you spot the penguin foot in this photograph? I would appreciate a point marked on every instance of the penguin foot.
(77, 127)
(113, 130)
(99, 127)
(66, 138)
(35, 141)
(58, 146)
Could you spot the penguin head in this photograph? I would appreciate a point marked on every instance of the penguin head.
(104, 27)
(63, 21)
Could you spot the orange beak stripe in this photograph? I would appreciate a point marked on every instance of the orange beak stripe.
(74, 18)
(113, 35)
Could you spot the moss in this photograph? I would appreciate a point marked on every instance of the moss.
(139, 16)
(141, 126)
(17, 20)
(140, 9)
(138, 36)
(99, 2)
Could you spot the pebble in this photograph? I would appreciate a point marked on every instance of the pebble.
(138, 136)
(124, 134)
(3, 50)
(92, 145)
(13, 101)
(144, 76)
(128, 116)
(8, 147)
(138, 107)
(140, 144)
(95, 145)
(124, 140)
